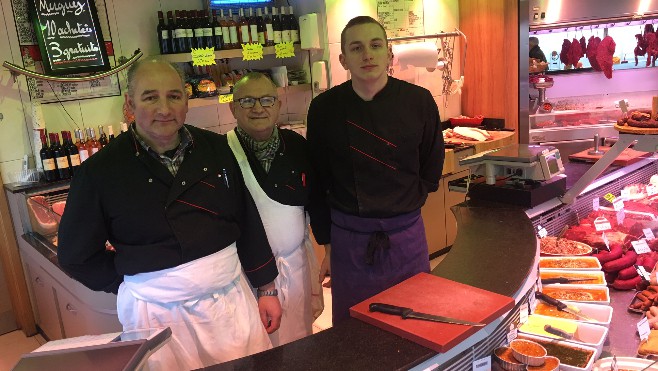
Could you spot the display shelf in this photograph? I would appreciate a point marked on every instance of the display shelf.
(211, 101)
(221, 54)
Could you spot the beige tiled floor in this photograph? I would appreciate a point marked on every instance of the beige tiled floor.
(14, 344)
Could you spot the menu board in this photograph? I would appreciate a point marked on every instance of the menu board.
(69, 36)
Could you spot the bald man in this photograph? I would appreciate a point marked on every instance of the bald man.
(171, 200)
(276, 169)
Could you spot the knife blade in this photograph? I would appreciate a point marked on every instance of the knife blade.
(548, 281)
(558, 332)
(561, 306)
(408, 313)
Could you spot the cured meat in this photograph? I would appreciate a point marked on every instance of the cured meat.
(564, 54)
(471, 134)
(604, 54)
(583, 46)
(575, 53)
(641, 48)
(592, 49)
(41, 219)
(58, 207)
(652, 48)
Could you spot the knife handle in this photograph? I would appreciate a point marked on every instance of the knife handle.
(543, 297)
(556, 331)
(548, 281)
(390, 309)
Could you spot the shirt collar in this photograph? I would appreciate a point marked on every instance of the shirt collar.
(186, 140)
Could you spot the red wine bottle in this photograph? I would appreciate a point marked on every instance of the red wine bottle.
(61, 161)
(47, 160)
(71, 152)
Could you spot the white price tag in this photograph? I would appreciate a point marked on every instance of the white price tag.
(642, 272)
(541, 231)
(605, 241)
(651, 190)
(513, 334)
(618, 204)
(482, 364)
(648, 233)
(523, 313)
(532, 301)
(641, 246)
(602, 224)
(621, 214)
(643, 328)
(595, 204)
(624, 194)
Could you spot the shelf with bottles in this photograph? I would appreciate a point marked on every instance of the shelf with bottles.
(210, 101)
(220, 54)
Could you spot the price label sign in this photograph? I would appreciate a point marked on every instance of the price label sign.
(252, 52)
(284, 50)
(514, 333)
(624, 193)
(642, 272)
(620, 216)
(618, 204)
(225, 98)
(541, 231)
(523, 313)
(595, 204)
(643, 328)
(641, 246)
(602, 224)
(651, 190)
(605, 241)
(482, 364)
(648, 233)
(610, 197)
(203, 56)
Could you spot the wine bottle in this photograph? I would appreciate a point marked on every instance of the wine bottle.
(189, 30)
(226, 34)
(233, 30)
(269, 29)
(253, 26)
(208, 30)
(217, 40)
(61, 161)
(163, 35)
(276, 25)
(47, 160)
(180, 35)
(198, 29)
(82, 147)
(243, 30)
(262, 31)
(124, 127)
(285, 26)
(92, 144)
(171, 29)
(110, 133)
(294, 26)
(71, 152)
(102, 138)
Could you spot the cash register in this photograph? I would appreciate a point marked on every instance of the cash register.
(520, 174)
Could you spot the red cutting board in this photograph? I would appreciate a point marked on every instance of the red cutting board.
(627, 157)
(434, 295)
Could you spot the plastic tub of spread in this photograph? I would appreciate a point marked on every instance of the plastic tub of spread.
(582, 277)
(598, 314)
(585, 263)
(528, 352)
(595, 294)
(572, 356)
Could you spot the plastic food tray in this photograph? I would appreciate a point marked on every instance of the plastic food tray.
(602, 314)
(565, 367)
(595, 275)
(594, 261)
(467, 121)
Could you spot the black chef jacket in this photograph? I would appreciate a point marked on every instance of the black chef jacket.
(157, 221)
(373, 159)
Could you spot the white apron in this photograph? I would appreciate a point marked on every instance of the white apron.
(208, 305)
(287, 233)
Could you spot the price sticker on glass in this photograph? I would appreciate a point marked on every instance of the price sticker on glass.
(602, 224)
(225, 98)
(203, 56)
(284, 50)
(252, 52)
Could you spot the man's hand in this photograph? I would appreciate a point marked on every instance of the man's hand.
(325, 267)
(270, 312)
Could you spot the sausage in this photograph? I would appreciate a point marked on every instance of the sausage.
(606, 256)
(630, 285)
(627, 273)
(625, 261)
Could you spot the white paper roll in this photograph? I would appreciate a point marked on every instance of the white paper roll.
(422, 54)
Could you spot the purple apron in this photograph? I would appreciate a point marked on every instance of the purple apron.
(369, 255)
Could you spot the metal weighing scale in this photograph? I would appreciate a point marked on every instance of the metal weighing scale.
(521, 174)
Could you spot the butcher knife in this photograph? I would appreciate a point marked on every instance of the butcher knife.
(563, 334)
(548, 281)
(408, 313)
(562, 306)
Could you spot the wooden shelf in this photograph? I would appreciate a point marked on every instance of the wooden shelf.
(221, 54)
(210, 101)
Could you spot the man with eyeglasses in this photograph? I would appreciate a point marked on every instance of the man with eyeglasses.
(171, 200)
(377, 149)
(276, 170)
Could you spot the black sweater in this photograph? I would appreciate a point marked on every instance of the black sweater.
(373, 159)
(157, 221)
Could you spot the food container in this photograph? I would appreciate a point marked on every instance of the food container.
(601, 314)
(585, 263)
(504, 357)
(590, 277)
(550, 364)
(585, 333)
(564, 349)
(42, 219)
(625, 363)
(595, 294)
(554, 246)
(528, 352)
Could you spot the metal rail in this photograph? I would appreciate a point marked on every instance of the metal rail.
(16, 70)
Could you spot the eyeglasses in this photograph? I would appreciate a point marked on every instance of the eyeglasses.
(250, 102)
